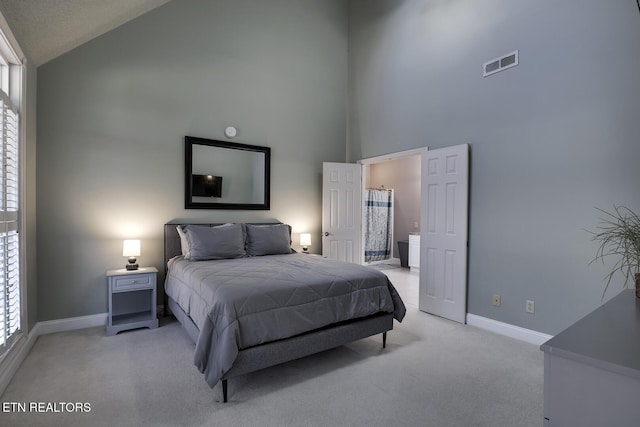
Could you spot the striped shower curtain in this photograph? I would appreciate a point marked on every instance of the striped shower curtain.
(378, 206)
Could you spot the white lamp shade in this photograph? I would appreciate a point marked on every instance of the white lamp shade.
(131, 248)
(305, 239)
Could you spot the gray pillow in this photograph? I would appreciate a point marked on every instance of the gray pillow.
(268, 239)
(221, 242)
(184, 242)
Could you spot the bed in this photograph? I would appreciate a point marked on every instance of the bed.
(249, 302)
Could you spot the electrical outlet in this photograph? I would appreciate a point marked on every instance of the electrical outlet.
(531, 306)
(496, 300)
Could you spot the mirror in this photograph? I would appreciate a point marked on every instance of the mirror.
(226, 175)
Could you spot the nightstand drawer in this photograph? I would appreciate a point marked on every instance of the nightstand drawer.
(133, 281)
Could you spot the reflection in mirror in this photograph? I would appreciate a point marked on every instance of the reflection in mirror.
(206, 186)
(225, 175)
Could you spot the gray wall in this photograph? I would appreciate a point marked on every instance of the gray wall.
(113, 113)
(550, 139)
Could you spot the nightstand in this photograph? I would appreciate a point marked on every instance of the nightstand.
(132, 299)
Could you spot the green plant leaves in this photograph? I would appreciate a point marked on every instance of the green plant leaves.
(618, 235)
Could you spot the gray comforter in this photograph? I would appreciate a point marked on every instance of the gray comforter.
(240, 303)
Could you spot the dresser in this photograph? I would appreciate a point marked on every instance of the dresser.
(592, 369)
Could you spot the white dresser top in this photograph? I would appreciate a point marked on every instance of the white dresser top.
(607, 338)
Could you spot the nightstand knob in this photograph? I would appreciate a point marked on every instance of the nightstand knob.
(133, 282)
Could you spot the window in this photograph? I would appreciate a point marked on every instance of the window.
(10, 307)
(11, 72)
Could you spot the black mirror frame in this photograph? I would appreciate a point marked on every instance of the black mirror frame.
(189, 141)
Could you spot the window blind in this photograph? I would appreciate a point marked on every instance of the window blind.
(9, 237)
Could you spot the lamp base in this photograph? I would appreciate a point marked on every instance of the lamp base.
(305, 250)
(132, 264)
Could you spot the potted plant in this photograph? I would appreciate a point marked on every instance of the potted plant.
(618, 235)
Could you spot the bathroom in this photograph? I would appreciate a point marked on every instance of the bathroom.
(402, 175)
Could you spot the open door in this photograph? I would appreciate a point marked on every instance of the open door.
(342, 211)
(443, 239)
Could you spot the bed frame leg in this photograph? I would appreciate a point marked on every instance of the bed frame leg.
(384, 340)
(224, 391)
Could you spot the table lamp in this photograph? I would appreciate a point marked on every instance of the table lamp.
(305, 242)
(131, 249)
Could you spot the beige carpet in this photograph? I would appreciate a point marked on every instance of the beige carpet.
(433, 373)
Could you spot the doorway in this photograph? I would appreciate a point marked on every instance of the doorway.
(443, 223)
(400, 175)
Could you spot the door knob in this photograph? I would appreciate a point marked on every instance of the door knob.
(326, 233)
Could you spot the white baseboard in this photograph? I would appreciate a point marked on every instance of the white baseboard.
(16, 356)
(522, 334)
(71, 323)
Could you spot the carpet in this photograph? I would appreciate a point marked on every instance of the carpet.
(434, 372)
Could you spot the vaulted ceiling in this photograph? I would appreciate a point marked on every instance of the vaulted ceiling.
(48, 28)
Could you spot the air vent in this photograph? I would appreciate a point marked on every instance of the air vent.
(500, 64)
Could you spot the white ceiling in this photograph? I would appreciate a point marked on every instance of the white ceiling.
(48, 28)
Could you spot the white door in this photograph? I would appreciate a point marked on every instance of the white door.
(342, 211)
(443, 239)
